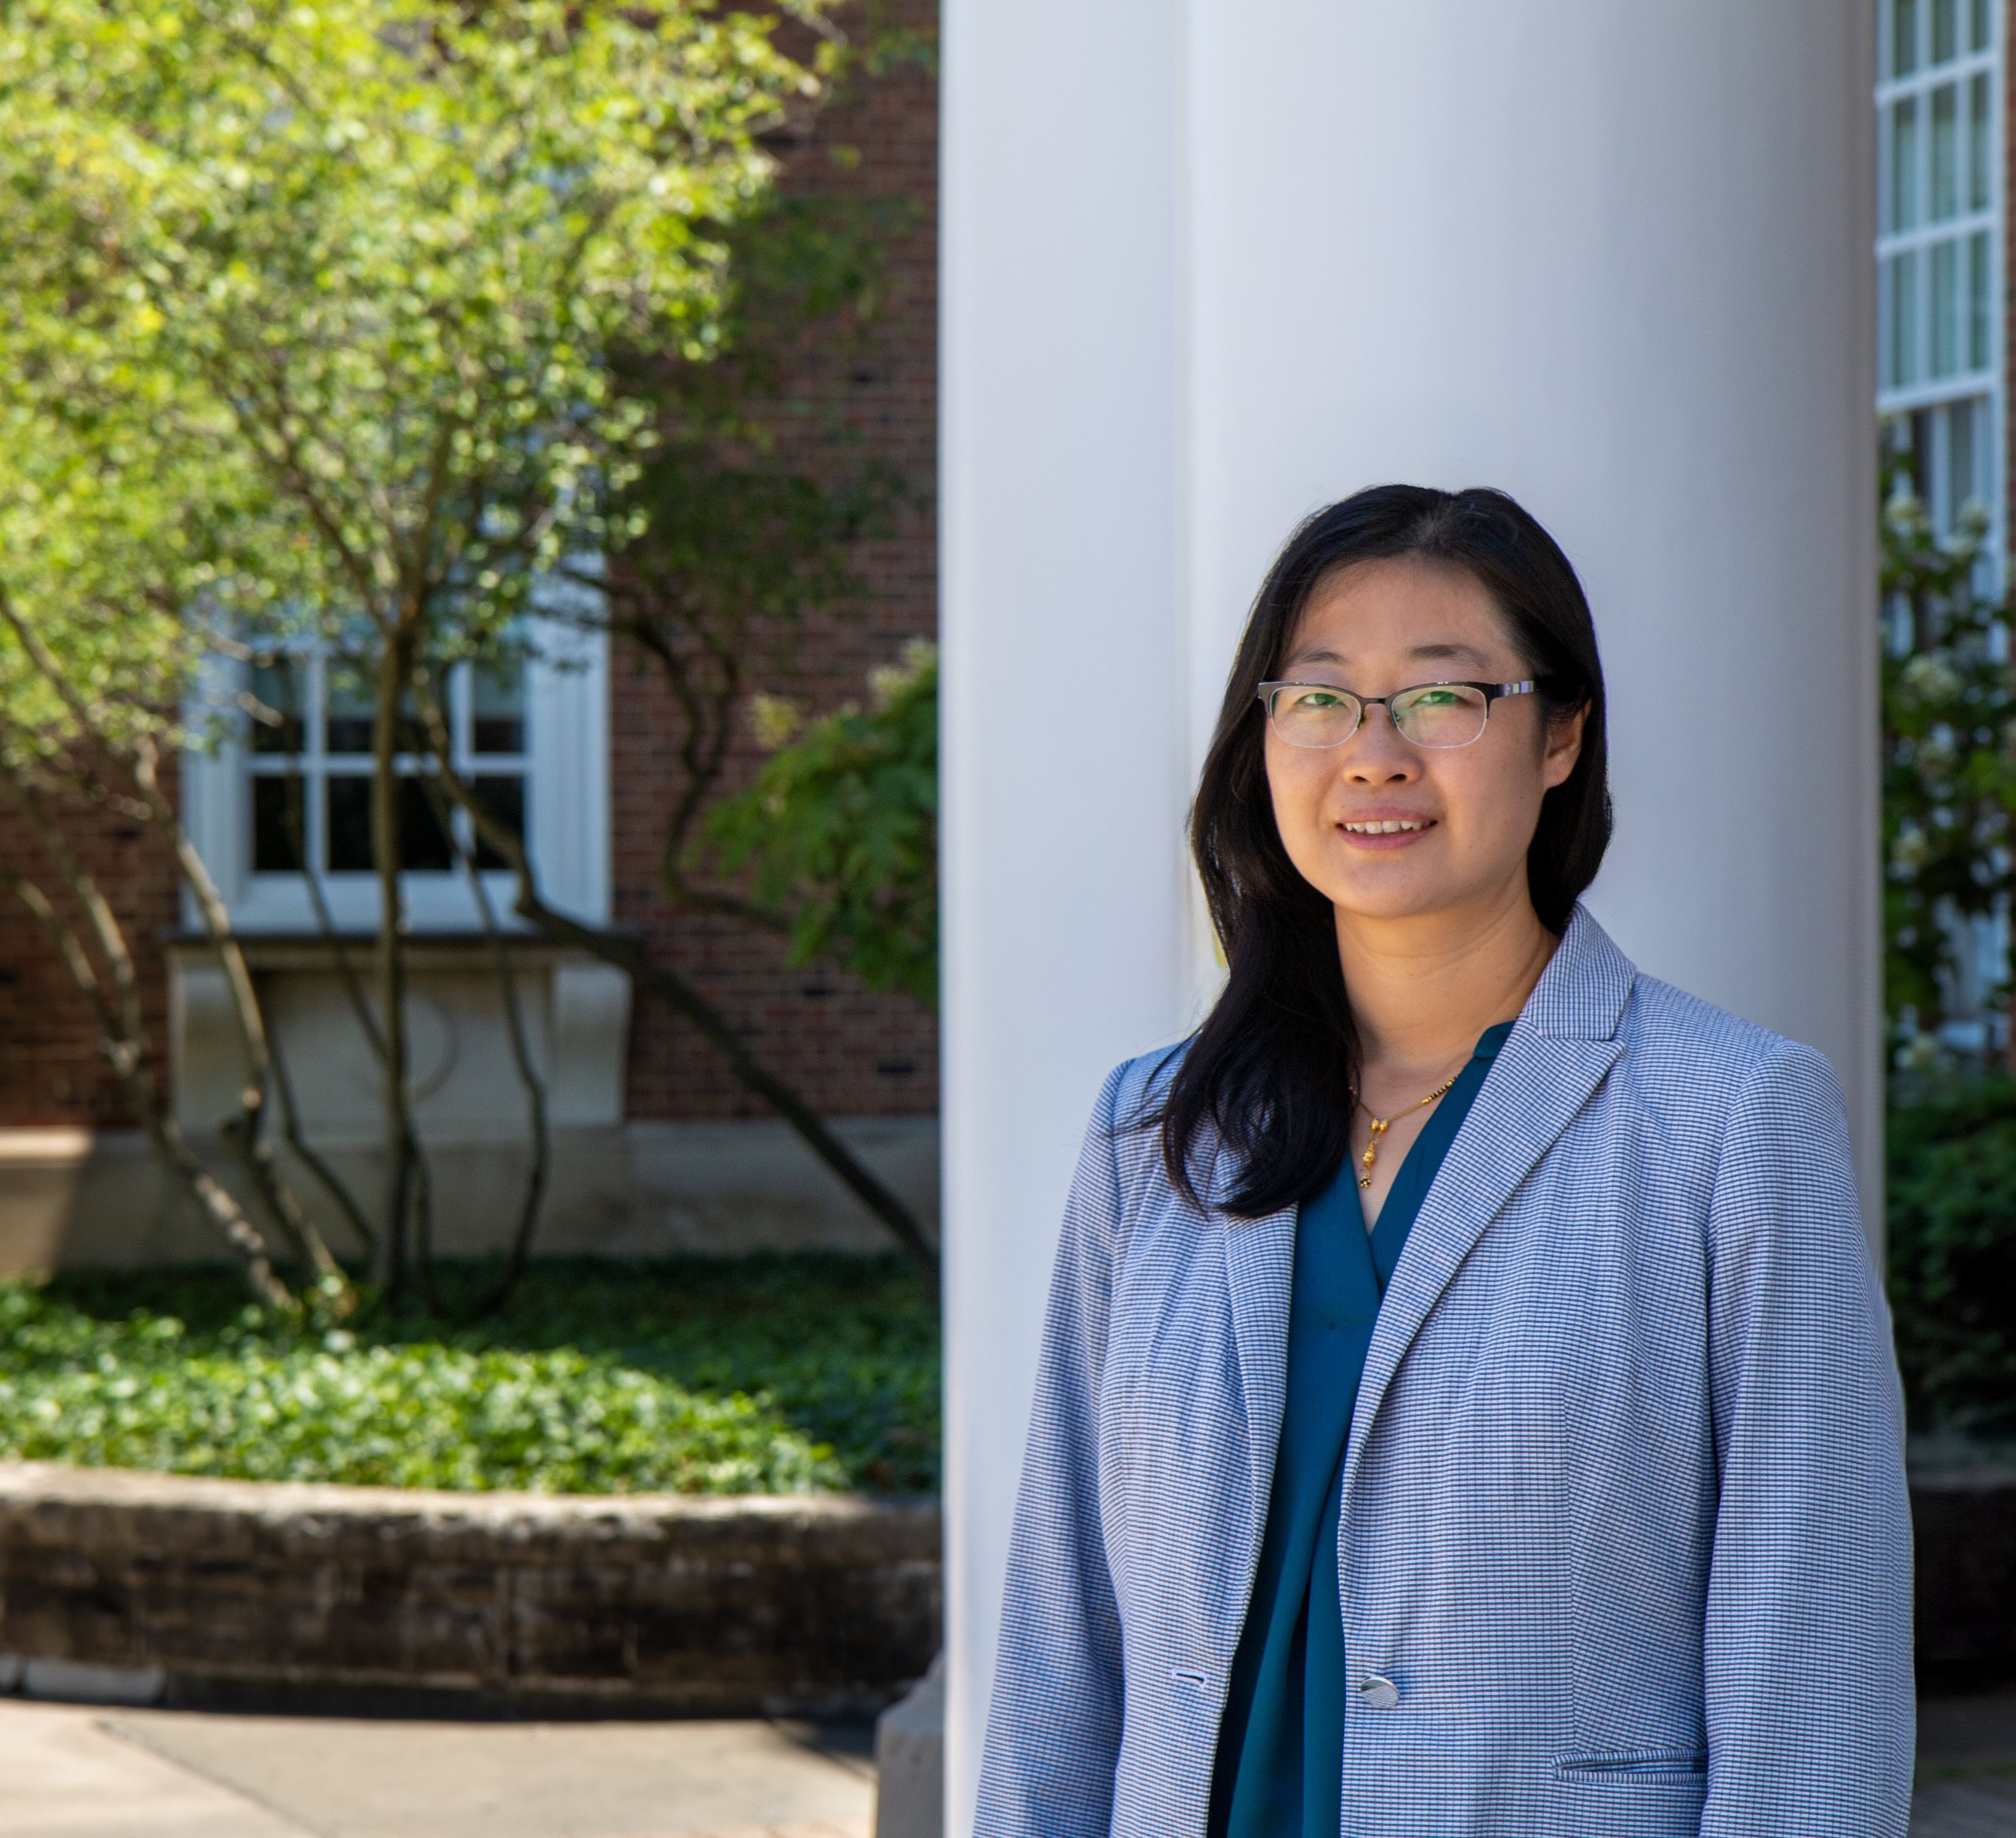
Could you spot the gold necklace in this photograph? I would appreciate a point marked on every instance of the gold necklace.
(1381, 1125)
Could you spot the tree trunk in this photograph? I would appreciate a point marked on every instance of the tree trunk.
(393, 668)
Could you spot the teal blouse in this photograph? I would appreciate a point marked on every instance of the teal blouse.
(1280, 1750)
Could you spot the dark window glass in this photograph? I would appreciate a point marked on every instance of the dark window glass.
(277, 687)
(1945, 152)
(349, 825)
(497, 713)
(1979, 127)
(1904, 37)
(350, 704)
(424, 845)
(279, 823)
(504, 798)
(1904, 164)
(1945, 30)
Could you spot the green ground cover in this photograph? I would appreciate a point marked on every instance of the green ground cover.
(764, 1374)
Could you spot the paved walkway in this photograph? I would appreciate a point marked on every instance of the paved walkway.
(72, 1771)
(75, 1771)
(1967, 1768)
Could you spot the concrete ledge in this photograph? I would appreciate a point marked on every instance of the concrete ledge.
(218, 1589)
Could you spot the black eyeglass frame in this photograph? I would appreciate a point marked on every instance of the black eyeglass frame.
(1491, 691)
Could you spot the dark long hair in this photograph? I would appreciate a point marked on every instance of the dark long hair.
(1271, 1071)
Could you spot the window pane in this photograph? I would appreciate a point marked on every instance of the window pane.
(349, 825)
(1980, 290)
(497, 716)
(351, 706)
(1945, 309)
(1959, 454)
(504, 798)
(353, 712)
(1981, 27)
(424, 845)
(1904, 318)
(1945, 30)
(276, 686)
(1903, 38)
(1945, 152)
(1978, 144)
(1904, 164)
(279, 823)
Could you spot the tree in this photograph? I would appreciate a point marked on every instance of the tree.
(1949, 710)
(107, 531)
(390, 265)
(839, 831)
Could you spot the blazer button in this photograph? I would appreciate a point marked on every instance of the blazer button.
(1378, 1693)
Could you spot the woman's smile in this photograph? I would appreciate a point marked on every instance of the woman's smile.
(1385, 830)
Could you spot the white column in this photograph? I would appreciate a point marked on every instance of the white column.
(1205, 270)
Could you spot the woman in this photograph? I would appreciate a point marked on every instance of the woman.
(1466, 1405)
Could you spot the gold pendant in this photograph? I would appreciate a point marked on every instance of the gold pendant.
(1380, 1125)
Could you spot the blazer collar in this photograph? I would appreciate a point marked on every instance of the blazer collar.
(1557, 1053)
(1582, 994)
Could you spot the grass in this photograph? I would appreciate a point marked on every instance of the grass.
(765, 1375)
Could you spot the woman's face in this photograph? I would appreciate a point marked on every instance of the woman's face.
(1464, 814)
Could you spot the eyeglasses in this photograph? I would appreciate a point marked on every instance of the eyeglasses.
(1430, 714)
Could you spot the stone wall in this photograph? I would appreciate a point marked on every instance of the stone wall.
(195, 1591)
(152, 1587)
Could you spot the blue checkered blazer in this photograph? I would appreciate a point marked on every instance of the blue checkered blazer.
(1624, 1517)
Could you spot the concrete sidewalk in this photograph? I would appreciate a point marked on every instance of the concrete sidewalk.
(1967, 1768)
(76, 1771)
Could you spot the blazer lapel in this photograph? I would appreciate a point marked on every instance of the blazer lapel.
(1550, 1067)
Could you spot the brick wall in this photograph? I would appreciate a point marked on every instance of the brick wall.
(51, 1071)
(852, 1052)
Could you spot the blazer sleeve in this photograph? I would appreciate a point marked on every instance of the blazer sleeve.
(1807, 1634)
(1053, 1727)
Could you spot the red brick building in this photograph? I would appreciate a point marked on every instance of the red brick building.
(657, 1146)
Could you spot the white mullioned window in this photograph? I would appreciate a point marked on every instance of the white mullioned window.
(1940, 103)
(1940, 360)
(279, 800)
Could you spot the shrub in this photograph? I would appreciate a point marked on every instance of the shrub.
(1951, 1194)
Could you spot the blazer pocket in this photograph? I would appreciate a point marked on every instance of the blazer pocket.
(1644, 1767)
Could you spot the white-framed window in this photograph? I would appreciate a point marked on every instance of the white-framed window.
(1941, 363)
(1940, 103)
(530, 731)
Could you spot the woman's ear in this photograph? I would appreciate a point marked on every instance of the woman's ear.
(1562, 745)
